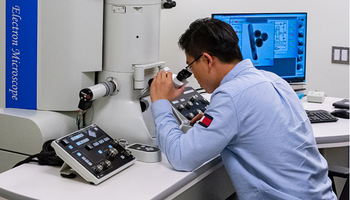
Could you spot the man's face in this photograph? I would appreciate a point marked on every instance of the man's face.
(199, 70)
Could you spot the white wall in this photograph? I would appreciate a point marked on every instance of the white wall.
(328, 25)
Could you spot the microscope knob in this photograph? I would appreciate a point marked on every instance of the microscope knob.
(204, 101)
(190, 116)
(180, 107)
(198, 111)
(127, 152)
(107, 164)
(112, 152)
(98, 168)
(193, 99)
(189, 104)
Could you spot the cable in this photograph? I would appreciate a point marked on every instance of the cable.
(78, 119)
(47, 156)
(92, 115)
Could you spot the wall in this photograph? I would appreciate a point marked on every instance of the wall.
(328, 25)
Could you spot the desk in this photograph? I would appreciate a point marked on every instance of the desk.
(139, 181)
(144, 180)
(332, 134)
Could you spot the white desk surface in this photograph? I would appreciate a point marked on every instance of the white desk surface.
(141, 180)
(330, 134)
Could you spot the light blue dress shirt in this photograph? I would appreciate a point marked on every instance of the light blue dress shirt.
(262, 133)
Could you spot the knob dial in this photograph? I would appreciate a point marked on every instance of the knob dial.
(190, 116)
(107, 164)
(193, 99)
(112, 152)
(180, 107)
(198, 111)
(189, 104)
(204, 101)
(98, 168)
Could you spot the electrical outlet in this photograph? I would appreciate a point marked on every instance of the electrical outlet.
(340, 55)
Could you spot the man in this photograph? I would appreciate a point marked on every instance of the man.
(257, 123)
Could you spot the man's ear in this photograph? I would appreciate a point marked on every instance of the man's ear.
(209, 59)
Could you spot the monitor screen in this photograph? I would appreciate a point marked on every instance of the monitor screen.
(274, 42)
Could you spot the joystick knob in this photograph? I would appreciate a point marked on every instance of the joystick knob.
(190, 116)
(98, 168)
(189, 104)
(180, 107)
(107, 164)
(198, 111)
(193, 99)
(112, 152)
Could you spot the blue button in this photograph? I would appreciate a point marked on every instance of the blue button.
(100, 151)
(70, 146)
(110, 146)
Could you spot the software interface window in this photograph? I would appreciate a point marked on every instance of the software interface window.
(274, 42)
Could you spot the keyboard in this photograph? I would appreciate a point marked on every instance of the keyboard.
(320, 116)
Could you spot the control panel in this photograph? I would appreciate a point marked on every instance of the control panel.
(93, 154)
(145, 153)
(188, 105)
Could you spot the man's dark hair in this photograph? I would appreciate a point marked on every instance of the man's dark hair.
(211, 36)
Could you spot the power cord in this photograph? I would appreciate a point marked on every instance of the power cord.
(47, 156)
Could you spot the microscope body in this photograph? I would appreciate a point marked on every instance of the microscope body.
(78, 44)
(131, 39)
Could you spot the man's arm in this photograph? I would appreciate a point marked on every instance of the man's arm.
(204, 141)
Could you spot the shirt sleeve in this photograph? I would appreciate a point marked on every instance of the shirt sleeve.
(203, 141)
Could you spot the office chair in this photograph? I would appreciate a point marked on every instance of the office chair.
(343, 172)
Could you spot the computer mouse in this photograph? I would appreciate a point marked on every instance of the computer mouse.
(341, 113)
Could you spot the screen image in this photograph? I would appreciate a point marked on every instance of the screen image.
(274, 42)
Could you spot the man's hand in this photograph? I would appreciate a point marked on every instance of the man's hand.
(196, 118)
(162, 87)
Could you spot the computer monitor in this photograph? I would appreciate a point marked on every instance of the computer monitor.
(274, 42)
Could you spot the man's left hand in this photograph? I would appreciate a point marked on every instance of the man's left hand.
(162, 87)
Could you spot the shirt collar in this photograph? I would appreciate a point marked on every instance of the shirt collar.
(239, 67)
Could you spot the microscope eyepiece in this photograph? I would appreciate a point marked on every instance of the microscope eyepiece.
(179, 79)
(183, 75)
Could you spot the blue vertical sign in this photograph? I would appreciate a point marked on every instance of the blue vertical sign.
(21, 53)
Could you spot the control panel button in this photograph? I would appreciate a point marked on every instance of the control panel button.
(65, 141)
(89, 147)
